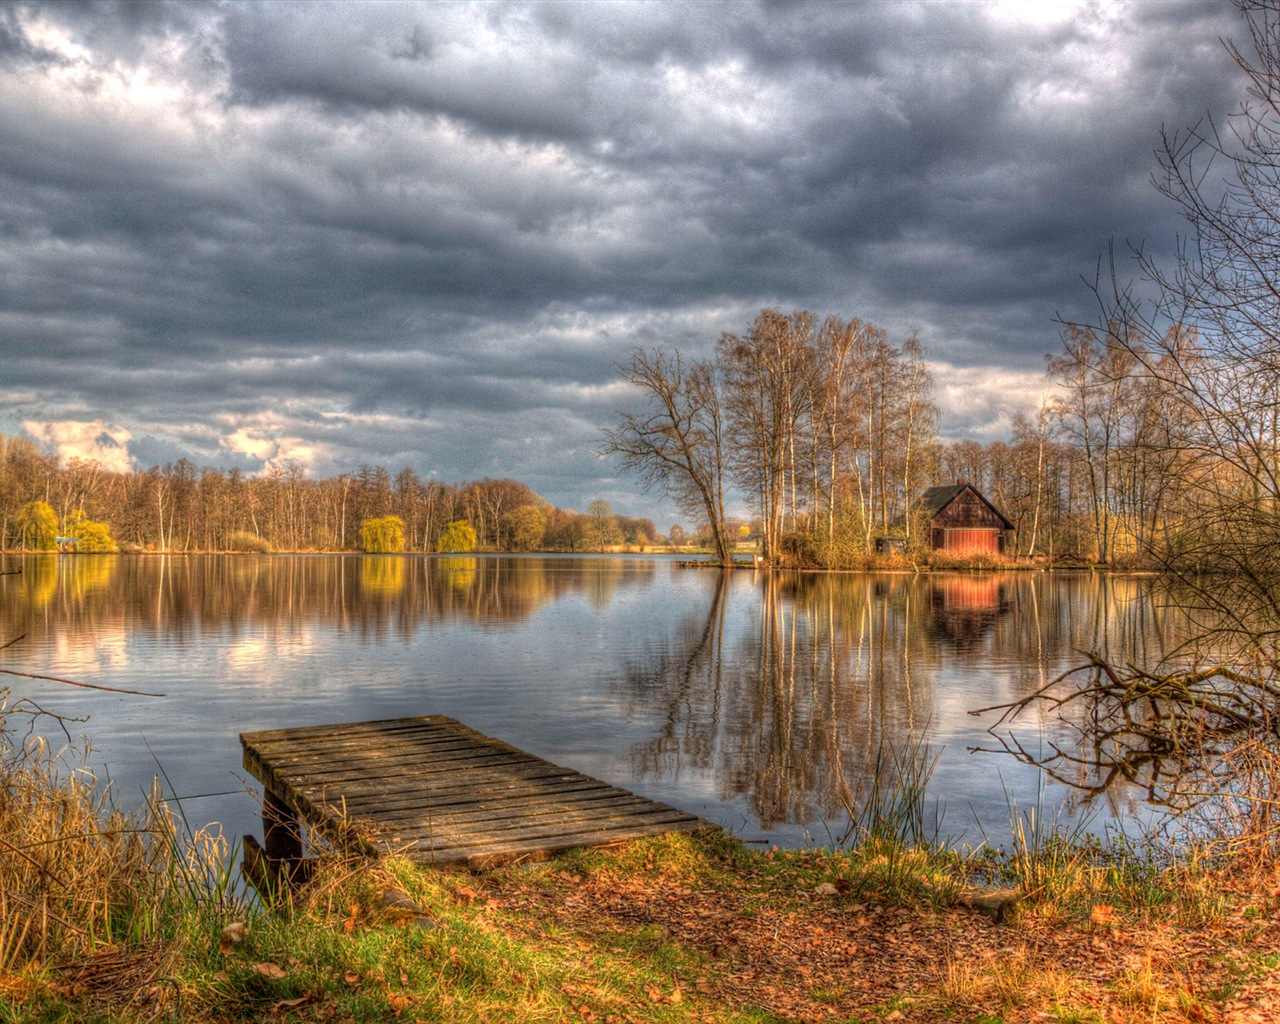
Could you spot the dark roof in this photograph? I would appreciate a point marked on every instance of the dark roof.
(935, 499)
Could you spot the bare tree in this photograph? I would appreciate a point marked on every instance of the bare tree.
(1209, 345)
(767, 376)
(677, 444)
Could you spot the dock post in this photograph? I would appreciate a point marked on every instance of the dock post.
(281, 830)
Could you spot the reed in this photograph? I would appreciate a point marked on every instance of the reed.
(78, 874)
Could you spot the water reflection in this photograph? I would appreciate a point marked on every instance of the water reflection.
(763, 701)
(181, 596)
(801, 712)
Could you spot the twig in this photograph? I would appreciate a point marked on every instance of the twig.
(87, 686)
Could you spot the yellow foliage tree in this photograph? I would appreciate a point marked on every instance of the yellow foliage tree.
(90, 536)
(382, 536)
(37, 525)
(459, 535)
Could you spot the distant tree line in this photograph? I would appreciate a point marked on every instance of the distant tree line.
(184, 507)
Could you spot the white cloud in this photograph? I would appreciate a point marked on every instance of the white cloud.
(73, 439)
(980, 402)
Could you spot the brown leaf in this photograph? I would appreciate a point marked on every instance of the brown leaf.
(271, 970)
(1102, 915)
(292, 1004)
(351, 978)
(465, 892)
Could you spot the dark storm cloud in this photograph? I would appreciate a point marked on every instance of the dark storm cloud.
(425, 233)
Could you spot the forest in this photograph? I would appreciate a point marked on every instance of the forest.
(184, 507)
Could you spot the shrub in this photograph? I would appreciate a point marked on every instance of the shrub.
(243, 540)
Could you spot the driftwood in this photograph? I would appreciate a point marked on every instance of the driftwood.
(1174, 735)
(993, 904)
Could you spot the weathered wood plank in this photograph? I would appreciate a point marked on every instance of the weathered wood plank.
(440, 792)
(590, 806)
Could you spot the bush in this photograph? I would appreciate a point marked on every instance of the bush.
(243, 540)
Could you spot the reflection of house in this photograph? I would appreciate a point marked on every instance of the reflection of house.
(960, 519)
(965, 607)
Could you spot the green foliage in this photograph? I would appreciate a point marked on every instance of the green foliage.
(382, 536)
(90, 536)
(458, 536)
(37, 526)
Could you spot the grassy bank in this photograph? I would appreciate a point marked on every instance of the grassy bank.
(675, 929)
(108, 916)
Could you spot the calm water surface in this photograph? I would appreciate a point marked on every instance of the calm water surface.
(758, 701)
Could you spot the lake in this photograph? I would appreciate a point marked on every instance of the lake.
(759, 701)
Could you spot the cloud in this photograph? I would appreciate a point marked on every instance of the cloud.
(108, 445)
(428, 232)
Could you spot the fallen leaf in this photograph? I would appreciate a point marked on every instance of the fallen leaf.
(1102, 915)
(232, 935)
(293, 1004)
(351, 978)
(465, 892)
(271, 970)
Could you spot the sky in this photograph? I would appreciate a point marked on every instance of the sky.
(425, 235)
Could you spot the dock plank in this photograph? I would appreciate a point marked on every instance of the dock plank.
(437, 791)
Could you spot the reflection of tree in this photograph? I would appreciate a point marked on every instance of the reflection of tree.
(791, 714)
(381, 576)
(839, 674)
(185, 596)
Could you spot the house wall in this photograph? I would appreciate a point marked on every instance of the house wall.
(974, 541)
(967, 511)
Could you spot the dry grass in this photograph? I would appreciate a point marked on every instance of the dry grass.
(77, 874)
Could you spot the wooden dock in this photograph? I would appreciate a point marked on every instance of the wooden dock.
(432, 790)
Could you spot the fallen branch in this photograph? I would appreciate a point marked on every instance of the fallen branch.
(72, 682)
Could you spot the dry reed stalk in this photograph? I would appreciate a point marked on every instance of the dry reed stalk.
(75, 871)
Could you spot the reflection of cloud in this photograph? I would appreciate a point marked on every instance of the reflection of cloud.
(259, 657)
(73, 439)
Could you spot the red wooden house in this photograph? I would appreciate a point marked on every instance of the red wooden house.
(960, 519)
